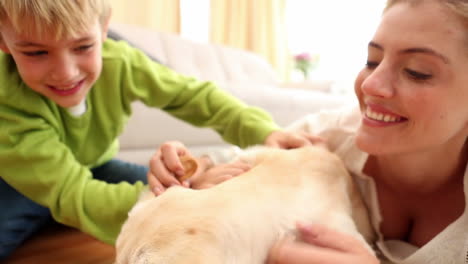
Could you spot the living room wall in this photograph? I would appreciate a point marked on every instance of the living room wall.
(162, 15)
(335, 31)
(257, 26)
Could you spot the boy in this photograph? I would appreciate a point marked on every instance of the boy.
(65, 97)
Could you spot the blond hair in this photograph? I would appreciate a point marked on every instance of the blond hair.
(62, 18)
(458, 7)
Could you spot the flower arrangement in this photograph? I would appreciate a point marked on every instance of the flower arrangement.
(304, 62)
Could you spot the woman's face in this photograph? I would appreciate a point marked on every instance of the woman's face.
(413, 92)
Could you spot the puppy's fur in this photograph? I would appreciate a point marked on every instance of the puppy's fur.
(238, 221)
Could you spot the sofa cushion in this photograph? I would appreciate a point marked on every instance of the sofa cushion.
(113, 34)
(203, 60)
(148, 128)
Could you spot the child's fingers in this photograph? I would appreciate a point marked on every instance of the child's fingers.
(176, 147)
(161, 173)
(166, 165)
(170, 156)
(155, 186)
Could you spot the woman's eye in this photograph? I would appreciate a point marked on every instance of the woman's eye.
(419, 76)
(35, 53)
(372, 64)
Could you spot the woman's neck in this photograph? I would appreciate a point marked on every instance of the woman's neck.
(423, 173)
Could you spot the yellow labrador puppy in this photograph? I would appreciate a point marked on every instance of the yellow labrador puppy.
(238, 221)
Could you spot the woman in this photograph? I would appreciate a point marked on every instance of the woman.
(406, 144)
(407, 148)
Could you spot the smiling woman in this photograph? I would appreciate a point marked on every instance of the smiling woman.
(407, 142)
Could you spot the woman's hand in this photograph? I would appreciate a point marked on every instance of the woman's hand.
(321, 245)
(165, 166)
(289, 139)
(218, 174)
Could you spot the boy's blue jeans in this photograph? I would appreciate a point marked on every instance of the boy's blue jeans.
(21, 217)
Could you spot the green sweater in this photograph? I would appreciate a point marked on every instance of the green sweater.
(46, 153)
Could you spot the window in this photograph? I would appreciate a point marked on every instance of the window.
(195, 19)
(338, 31)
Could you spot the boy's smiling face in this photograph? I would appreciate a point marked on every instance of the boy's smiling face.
(63, 70)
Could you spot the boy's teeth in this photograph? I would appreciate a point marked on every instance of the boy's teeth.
(64, 88)
(381, 117)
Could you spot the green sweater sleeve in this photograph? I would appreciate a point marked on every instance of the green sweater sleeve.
(198, 102)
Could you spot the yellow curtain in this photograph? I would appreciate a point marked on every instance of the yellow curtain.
(162, 15)
(255, 25)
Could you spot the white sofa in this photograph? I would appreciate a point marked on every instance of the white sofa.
(243, 74)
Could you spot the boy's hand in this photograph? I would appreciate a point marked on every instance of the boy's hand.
(321, 245)
(290, 140)
(218, 174)
(166, 167)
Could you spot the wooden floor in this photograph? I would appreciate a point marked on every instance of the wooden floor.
(59, 244)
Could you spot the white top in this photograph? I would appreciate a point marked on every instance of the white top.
(338, 128)
(78, 109)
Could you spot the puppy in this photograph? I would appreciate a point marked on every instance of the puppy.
(238, 221)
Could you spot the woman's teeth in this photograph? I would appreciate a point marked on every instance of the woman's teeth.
(382, 117)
